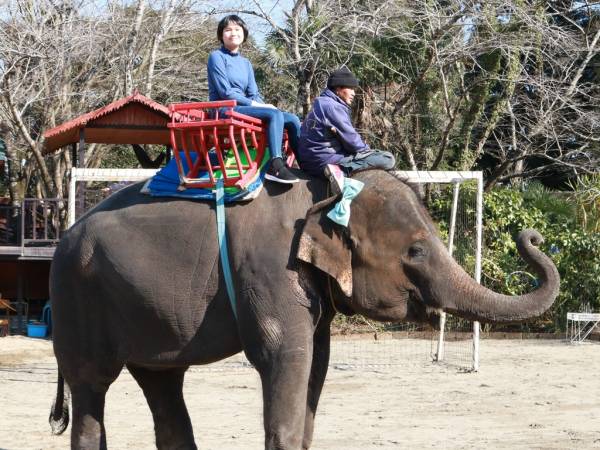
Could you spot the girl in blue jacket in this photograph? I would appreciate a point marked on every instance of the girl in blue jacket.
(231, 77)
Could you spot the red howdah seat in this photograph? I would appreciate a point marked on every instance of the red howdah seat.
(201, 128)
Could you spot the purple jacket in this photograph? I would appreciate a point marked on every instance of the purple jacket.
(319, 145)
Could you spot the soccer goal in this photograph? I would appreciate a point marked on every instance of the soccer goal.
(454, 200)
(457, 203)
(87, 187)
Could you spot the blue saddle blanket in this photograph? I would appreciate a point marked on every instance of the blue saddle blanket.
(166, 182)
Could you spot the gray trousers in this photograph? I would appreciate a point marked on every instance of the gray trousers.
(369, 159)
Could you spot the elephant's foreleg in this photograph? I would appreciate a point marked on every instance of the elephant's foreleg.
(284, 386)
(88, 430)
(283, 358)
(163, 392)
(277, 333)
(320, 363)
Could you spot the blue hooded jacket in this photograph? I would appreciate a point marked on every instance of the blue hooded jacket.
(319, 145)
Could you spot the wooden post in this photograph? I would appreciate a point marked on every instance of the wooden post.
(74, 154)
(79, 198)
(21, 310)
(81, 158)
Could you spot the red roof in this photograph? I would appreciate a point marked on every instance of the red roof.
(135, 119)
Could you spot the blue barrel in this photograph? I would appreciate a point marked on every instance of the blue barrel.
(37, 329)
(47, 316)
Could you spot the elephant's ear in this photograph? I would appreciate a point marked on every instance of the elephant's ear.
(322, 244)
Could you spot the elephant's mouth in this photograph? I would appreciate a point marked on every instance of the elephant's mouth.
(342, 305)
(417, 311)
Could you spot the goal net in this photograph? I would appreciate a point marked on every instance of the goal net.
(455, 202)
(88, 187)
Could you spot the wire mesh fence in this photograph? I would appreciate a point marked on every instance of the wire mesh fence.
(454, 208)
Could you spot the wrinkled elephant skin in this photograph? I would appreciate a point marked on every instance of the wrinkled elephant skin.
(137, 282)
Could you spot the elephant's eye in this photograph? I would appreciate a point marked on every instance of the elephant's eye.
(417, 251)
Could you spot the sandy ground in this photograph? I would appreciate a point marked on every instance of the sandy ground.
(527, 395)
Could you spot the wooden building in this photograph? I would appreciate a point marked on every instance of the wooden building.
(28, 232)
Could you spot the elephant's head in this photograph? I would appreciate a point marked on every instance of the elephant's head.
(390, 260)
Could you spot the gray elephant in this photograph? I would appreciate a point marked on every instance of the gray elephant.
(137, 282)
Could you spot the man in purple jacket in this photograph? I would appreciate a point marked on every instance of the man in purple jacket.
(327, 136)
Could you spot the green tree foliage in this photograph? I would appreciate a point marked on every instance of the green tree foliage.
(586, 198)
(574, 250)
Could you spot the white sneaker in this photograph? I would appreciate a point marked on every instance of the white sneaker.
(336, 177)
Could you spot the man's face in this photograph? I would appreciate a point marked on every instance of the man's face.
(346, 94)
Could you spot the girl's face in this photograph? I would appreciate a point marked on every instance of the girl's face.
(233, 36)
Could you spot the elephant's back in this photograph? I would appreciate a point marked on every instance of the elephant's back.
(130, 230)
(139, 234)
(131, 226)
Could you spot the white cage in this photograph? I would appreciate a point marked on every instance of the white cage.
(580, 325)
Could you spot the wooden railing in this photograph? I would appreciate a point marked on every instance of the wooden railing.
(31, 229)
(40, 222)
(10, 218)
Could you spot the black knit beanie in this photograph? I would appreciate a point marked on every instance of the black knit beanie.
(342, 77)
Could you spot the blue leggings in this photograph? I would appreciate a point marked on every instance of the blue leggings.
(276, 121)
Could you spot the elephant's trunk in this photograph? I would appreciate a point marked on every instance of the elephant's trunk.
(468, 299)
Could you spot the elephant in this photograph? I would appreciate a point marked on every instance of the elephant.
(137, 282)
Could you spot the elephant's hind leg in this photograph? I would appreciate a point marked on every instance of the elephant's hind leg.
(164, 394)
(88, 430)
(89, 382)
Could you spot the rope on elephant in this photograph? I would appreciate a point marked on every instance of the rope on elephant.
(222, 235)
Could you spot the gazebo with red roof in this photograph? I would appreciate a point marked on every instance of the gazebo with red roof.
(135, 119)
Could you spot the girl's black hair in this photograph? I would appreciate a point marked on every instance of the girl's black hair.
(226, 21)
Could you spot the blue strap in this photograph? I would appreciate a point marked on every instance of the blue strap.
(221, 232)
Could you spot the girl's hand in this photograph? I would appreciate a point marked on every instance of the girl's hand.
(262, 105)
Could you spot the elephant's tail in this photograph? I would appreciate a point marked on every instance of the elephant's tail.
(59, 414)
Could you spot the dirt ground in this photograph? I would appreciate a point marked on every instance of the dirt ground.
(527, 395)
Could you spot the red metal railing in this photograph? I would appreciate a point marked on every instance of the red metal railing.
(198, 128)
(204, 128)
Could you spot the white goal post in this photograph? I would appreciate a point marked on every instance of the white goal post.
(83, 174)
(456, 178)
